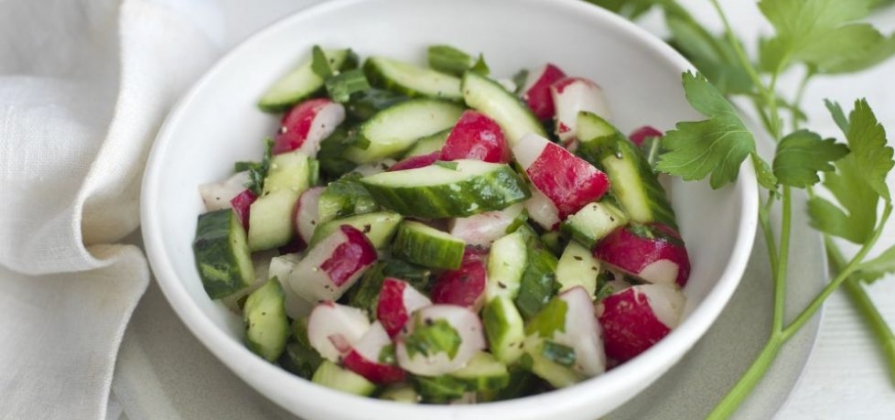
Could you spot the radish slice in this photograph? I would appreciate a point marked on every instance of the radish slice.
(638, 317)
(217, 195)
(653, 253)
(475, 136)
(364, 357)
(397, 300)
(639, 135)
(571, 96)
(332, 266)
(334, 329)
(567, 180)
(414, 162)
(464, 286)
(582, 332)
(374, 168)
(242, 204)
(306, 213)
(307, 124)
(537, 90)
(282, 268)
(542, 210)
(462, 323)
(484, 228)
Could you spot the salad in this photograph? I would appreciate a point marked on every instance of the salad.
(430, 234)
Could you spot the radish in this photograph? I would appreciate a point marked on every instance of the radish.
(307, 124)
(636, 318)
(475, 136)
(440, 339)
(365, 357)
(397, 300)
(653, 253)
(334, 329)
(542, 210)
(484, 228)
(414, 162)
(217, 195)
(464, 286)
(567, 180)
(306, 213)
(282, 267)
(582, 332)
(332, 266)
(537, 90)
(241, 205)
(572, 95)
(639, 135)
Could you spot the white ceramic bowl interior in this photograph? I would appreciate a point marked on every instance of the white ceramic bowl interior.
(217, 123)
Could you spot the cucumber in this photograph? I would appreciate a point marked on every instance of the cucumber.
(593, 222)
(222, 255)
(330, 158)
(301, 83)
(395, 129)
(507, 260)
(401, 393)
(538, 282)
(457, 189)
(428, 144)
(504, 329)
(267, 327)
(634, 184)
(363, 105)
(378, 227)
(411, 80)
(491, 99)
(271, 221)
(536, 362)
(344, 197)
(578, 267)
(332, 376)
(300, 360)
(483, 373)
(554, 241)
(427, 246)
(439, 389)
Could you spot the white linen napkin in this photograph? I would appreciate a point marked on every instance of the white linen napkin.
(84, 85)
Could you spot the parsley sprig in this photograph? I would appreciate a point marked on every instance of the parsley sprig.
(824, 37)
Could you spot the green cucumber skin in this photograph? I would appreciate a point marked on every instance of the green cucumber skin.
(267, 327)
(582, 227)
(439, 389)
(222, 254)
(538, 284)
(276, 100)
(378, 227)
(300, 360)
(495, 190)
(426, 246)
(374, 69)
(345, 197)
(507, 109)
(336, 377)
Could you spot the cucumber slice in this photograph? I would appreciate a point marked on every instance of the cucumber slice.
(411, 80)
(300, 360)
(395, 129)
(222, 255)
(267, 327)
(538, 283)
(506, 265)
(504, 329)
(593, 222)
(578, 267)
(332, 376)
(633, 181)
(378, 227)
(554, 373)
(490, 98)
(428, 144)
(427, 246)
(344, 197)
(301, 83)
(483, 373)
(463, 188)
(402, 393)
(271, 221)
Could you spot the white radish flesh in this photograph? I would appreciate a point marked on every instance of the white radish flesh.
(217, 195)
(467, 325)
(333, 329)
(484, 228)
(332, 266)
(306, 213)
(572, 95)
(582, 332)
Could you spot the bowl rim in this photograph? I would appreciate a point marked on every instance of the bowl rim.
(224, 347)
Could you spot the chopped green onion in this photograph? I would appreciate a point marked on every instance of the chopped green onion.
(550, 319)
(447, 59)
(558, 353)
(341, 86)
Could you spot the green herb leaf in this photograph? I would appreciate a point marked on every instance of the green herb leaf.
(867, 141)
(320, 65)
(838, 115)
(480, 66)
(257, 170)
(447, 164)
(387, 354)
(430, 337)
(713, 56)
(717, 145)
(519, 80)
(341, 86)
(800, 155)
(763, 172)
(558, 353)
(550, 319)
(447, 59)
(872, 270)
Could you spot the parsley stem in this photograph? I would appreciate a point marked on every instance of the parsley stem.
(782, 261)
(764, 219)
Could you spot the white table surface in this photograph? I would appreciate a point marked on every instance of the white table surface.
(845, 377)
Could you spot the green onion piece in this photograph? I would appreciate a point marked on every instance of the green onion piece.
(447, 59)
(480, 66)
(320, 64)
(341, 86)
(558, 353)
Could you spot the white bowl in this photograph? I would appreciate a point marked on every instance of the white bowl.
(217, 123)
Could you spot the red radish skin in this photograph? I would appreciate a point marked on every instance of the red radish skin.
(475, 136)
(464, 286)
(333, 265)
(630, 323)
(397, 300)
(333, 329)
(350, 257)
(639, 135)
(567, 180)
(537, 91)
(363, 358)
(241, 205)
(306, 213)
(414, 162)
(657, 255)
(572, 95)
(307, 124)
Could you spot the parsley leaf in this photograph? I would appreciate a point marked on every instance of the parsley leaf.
(257, 170)
(870, 271)
(714, 57)
(800, 155)
(717, 145)
(431, 337)
(550, 319)
(838, 115)
(560, 354)
(320, 64)
(867, 141)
